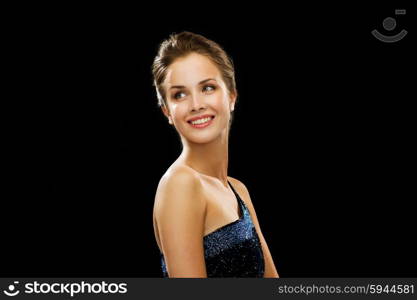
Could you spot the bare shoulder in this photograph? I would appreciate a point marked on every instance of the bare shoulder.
(179, 176)
(241, 189)
(180, 185)
(236, 182)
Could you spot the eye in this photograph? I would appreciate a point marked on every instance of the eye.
(209, 88)
(179, 95)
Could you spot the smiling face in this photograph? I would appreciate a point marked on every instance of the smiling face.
(194, 88)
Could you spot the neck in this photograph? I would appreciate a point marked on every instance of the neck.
(209, 159)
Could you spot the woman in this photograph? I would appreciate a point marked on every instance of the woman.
(204, 221)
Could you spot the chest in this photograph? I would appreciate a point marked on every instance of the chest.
(222, 208)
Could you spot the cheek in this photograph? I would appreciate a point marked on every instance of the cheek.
(218, 102)
(179, 111)
(223, 104)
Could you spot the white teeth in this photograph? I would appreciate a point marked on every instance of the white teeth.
(201, 121)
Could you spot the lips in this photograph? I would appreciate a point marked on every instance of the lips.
(199, 117)
(200, 125)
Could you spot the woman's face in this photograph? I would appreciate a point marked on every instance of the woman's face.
(194, 87)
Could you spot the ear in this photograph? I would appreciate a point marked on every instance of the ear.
(166, 113)
(233, 99)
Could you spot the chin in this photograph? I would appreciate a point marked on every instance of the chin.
(201, 139)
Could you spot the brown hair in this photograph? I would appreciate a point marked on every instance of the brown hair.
(181, 44)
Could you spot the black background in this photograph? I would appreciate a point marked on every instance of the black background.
(322, 136)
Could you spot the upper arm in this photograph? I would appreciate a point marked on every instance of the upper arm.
(180, 215)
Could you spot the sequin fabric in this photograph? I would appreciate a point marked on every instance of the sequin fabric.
(233, 250)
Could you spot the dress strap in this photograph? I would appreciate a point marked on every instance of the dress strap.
(239, 200)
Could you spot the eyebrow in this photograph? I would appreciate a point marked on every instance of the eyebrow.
(200, 83)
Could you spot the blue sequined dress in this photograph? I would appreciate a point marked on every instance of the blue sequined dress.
(233, 250)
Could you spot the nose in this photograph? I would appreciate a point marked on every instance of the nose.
(197, 103)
